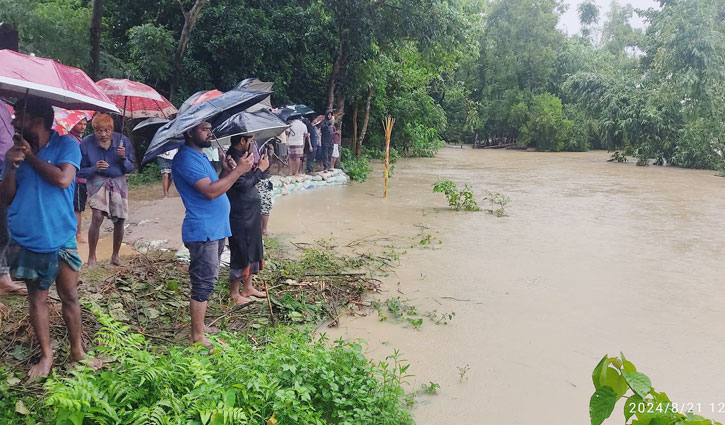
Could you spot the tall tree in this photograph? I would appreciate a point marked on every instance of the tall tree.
(190, 18)
(96, 22)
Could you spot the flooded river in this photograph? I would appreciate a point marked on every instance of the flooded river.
(593, 258)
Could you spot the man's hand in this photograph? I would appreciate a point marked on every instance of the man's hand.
(246, 162)
(263, 163)
(102, 165)
(228, 164)
(121, 151)
(15, 155)
(23, 144)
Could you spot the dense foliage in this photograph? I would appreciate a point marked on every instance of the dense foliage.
(446, 70)
(291, 378)
(616, 378)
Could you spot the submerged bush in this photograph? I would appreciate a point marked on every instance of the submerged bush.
(356, 168)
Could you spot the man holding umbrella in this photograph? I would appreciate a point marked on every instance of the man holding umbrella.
(206, 224)
(38, 187)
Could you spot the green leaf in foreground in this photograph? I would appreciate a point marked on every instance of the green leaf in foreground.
(638, 382)
(601, 405)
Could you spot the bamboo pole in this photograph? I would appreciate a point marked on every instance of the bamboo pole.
(388, 123)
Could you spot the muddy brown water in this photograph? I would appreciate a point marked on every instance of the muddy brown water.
(592, 258)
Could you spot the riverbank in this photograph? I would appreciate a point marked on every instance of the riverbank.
(592, 258)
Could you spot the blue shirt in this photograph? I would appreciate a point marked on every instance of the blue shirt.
(206, 219)
(92, 152)
(41, 216)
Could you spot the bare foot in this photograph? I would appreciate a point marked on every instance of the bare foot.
(116, 260)
(268, 235)
(93, 363)
(91, 263)
(253, 292)
(8, 287)
(81, 238)
(241, 300)
(203, 341)
(41, 369)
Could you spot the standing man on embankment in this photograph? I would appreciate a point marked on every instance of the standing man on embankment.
(206, 224)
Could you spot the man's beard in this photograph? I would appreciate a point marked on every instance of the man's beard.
(204, 143)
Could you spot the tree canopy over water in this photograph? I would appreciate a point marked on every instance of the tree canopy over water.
(451, 70)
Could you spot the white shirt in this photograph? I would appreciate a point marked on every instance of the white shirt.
(298, 129)
(212, 153)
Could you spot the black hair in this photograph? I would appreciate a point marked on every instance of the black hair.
(36, 107)
(236, 139)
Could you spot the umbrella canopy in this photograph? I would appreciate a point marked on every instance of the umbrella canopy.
(300, 109)
(216, 111)
(263, 124)
(198, 97)
(256, 84)
(286, 114)
(136, 100)
(149, 122)
(66, 119)
(64, 86)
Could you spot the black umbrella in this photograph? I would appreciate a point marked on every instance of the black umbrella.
(256, 84)
(149, 122)
(263, 124)
(216, 111)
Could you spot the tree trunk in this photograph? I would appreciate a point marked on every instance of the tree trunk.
(353, 145)
(364, 128)
(190, 19)
(96, 20)
(333, 76)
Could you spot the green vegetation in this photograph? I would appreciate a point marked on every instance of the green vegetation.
(286, 376)
(498, 203)
(463, 199)
(457, 199)
(401, 311)
(446, 70)
(357, 168)
(616, 377)
(149, 295)
(151, 173)
(431, 388)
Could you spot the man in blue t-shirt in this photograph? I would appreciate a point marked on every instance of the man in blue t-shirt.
(38, 187)
(206, 224)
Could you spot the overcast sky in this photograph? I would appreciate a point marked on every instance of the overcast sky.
(569, 22)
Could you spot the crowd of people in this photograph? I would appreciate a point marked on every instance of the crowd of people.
(314, 144)
(48, 179)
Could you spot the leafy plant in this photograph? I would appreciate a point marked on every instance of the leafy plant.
(498, 203)
(457, 199)
(462, 371)
(440, 318)
(431, 388)
(356, 168)
(618, 156)
(616, 377)
(289, 377)
(151, 173)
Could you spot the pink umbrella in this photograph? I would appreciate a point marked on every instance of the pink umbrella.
(64, 86)
(66, 119)
(136, 100)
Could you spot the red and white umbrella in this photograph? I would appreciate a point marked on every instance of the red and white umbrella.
(63, 86)
(136, 100)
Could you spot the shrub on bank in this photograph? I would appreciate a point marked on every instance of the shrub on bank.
(285, 375)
